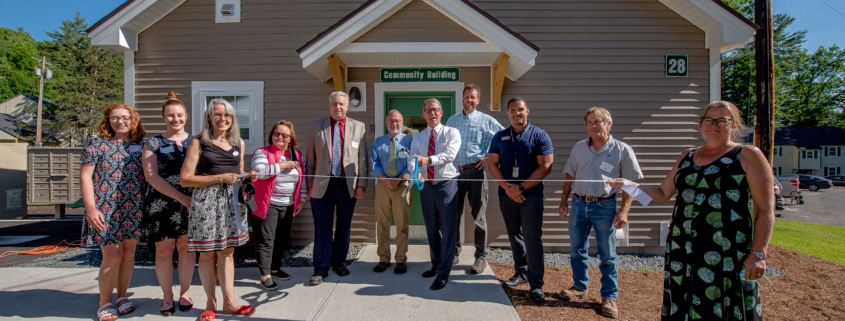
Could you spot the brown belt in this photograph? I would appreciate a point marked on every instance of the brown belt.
(467, 166)
(596, 199)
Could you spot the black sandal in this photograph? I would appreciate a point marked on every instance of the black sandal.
(168, 312)
(185, 308)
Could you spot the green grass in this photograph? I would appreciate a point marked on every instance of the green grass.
(821, 241)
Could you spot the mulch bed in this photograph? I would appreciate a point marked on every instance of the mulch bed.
(813, 289)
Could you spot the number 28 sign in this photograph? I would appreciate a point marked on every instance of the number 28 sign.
(677, 65)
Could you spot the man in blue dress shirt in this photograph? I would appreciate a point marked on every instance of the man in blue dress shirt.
(520, 158)
(476, 130)
(389, 163)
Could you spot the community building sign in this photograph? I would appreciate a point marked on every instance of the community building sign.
(420, 74)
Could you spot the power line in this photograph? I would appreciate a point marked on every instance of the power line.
(834, 9)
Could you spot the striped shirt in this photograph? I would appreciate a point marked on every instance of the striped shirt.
(477, 129)
(285, 181)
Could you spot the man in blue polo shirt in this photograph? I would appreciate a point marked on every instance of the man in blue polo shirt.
(520, 157)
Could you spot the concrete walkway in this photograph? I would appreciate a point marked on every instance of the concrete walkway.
(71, 294)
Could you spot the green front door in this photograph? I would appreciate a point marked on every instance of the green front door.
(410, 104)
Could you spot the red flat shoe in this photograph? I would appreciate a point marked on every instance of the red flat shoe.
(243, 310)
(208, 315)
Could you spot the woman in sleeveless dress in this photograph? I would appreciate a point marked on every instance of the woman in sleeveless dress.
(165, 221)
(214, 162)
(721, 224)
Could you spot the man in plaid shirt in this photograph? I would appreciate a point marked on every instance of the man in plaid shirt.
(477, 129)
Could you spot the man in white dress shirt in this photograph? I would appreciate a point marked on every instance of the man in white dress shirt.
(433, 150)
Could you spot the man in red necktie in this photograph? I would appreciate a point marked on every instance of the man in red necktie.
(434, 149)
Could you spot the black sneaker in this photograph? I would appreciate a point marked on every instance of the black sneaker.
(537, 295)
(269, 285)
(280, 275)
(516, 280)
(341, 270)
(317, 278)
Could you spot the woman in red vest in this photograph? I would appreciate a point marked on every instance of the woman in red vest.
(278, 197)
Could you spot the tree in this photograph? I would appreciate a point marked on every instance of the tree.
(738, 68)
(815, 93)
(93, 79)
(17, 67)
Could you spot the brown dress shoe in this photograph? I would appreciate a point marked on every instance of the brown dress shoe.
(400, 268)
(381, 266)
(608, 308)
(572, 294)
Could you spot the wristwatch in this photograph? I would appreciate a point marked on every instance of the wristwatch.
(521, 188)
(759, 255)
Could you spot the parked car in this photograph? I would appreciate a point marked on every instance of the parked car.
(789, 188)
(838, 180)
(813, 183)
(778, 196)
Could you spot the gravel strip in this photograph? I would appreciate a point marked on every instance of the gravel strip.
(299, 256)
(636, 262)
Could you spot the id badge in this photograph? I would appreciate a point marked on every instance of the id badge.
(515, 172)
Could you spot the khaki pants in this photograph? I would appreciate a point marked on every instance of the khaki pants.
(392, 204)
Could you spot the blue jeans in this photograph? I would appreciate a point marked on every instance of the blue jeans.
(584, 216)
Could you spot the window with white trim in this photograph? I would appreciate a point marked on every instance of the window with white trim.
(247, 98)
(832, 151)
(777, 170)
(778, 151)
(828, 171)
(810, 154)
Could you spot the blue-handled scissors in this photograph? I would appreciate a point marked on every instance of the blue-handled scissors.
(415, 179)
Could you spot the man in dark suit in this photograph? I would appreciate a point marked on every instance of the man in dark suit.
(337, 147)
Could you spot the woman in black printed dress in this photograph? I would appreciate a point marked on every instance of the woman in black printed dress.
(721, 224)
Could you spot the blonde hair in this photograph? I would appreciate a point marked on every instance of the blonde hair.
(736, 124)
(601, 113)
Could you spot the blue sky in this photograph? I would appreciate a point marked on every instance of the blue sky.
(826, 26)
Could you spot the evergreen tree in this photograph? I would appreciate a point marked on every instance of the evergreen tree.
(93, 79)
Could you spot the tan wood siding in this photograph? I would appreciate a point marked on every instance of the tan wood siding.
(605, 53)
(418, 22)
(610, 54)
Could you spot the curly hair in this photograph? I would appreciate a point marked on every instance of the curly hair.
(136, 131)
(287, 124)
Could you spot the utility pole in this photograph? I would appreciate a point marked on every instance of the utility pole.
(43, 72)
(764, 131)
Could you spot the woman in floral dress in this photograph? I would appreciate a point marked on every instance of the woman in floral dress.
(721, 224)
(165, 221)
(113, 187)
(214, 162)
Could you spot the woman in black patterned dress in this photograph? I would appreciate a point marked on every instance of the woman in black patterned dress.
(165, 220)
(721, 224)
(214, 162)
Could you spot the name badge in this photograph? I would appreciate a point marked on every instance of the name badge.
(515, 172)
(135, 148)
(606, 167)
(473, 124)
(506, 138)
(235, 153)
(166, 149)
(403, 154)
(354, 144)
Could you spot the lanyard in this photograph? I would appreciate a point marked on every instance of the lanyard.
(515, 146)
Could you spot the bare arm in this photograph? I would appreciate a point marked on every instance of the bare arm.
(493, 160)
(563, 208)
(189, 168)
(665, 191)
(760, 182)
(86, 183)
(545, 162)
(150, 164)
(621, 218)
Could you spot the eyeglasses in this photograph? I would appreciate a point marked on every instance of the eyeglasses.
(283, 136)
(125, 119)
(226, 116)
(432, 110)
(721, 122)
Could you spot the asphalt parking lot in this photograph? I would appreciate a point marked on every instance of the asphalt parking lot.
(826, 207)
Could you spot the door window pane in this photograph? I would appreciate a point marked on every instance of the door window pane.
(241, 104)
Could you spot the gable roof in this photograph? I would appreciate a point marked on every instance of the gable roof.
(10, 125)
(809, 137)
(370, 2)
